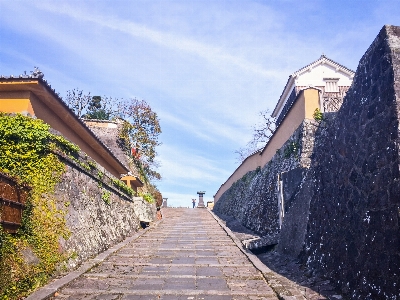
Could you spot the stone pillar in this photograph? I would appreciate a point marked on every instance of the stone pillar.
(164, 204)
(201, 202)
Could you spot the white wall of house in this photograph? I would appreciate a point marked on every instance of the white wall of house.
(323, 73)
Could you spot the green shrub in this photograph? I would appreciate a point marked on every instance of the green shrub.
(291, 149)
(318, 115)
(106, 197)
(123, 187)
(147, 197)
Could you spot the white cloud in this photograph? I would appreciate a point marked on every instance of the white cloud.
(182, 164)
(225, 132)
(204, 128)
(216, 55)
(189, 126)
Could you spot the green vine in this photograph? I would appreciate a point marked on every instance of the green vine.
(27, 152)
(123, 187)
(92, 165)
(147, 197)
(318, 115)
(291, 149)
(106, 197)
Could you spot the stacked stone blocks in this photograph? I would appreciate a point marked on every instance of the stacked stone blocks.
(353, 231)
(343, 218)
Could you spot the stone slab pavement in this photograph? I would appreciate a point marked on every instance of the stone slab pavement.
(287, 277)
(186, 256)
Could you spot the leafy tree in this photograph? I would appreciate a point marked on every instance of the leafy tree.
(262, 132)
(156, 195)
(86, 106)
(140, 130)
(98, 108)
(140, 133)
(144, 127)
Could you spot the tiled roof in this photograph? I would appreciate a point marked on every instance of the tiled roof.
(322, 58)
(255, 151)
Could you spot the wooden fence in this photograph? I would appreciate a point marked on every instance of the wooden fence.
(13, 198)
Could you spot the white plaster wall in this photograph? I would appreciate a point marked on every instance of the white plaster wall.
(315, 76)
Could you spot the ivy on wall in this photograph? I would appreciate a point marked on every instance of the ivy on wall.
(147, 197)
(30, 256)
(318, 115)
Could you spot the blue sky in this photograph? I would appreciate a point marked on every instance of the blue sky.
(206, 67)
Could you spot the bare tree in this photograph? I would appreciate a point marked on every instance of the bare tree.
(262, 132)
(91, 107)
(78, 101)
(243, 153)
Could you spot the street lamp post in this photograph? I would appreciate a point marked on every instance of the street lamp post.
(201, 202)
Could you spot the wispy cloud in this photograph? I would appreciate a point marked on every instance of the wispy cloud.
(188, 126)
(206, 67)
(226, 132)
(204, 128)
(178, 164)
(215, 55)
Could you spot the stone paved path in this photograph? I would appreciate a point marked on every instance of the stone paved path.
(187, 256)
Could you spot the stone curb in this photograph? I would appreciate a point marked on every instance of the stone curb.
(51, 288)
(277, 282)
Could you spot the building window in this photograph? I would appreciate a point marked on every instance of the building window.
(331, 85)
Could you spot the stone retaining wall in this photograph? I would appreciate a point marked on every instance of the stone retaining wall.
(353, 232)
(252, 200)
(342, 215)
(98, 214)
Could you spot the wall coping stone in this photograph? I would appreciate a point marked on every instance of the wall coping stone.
(73, 164)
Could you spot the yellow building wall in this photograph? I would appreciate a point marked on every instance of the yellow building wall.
(26, 101)
(12, 102)
(312, 103)
(303, 108)
(249, 164)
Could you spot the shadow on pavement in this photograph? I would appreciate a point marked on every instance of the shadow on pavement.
(312, 286)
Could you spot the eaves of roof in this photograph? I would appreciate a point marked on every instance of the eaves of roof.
(290, 108)
(323, 58)
(105, 151)
(98, 121)
(275, 111)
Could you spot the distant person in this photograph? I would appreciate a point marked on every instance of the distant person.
(194, 203)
